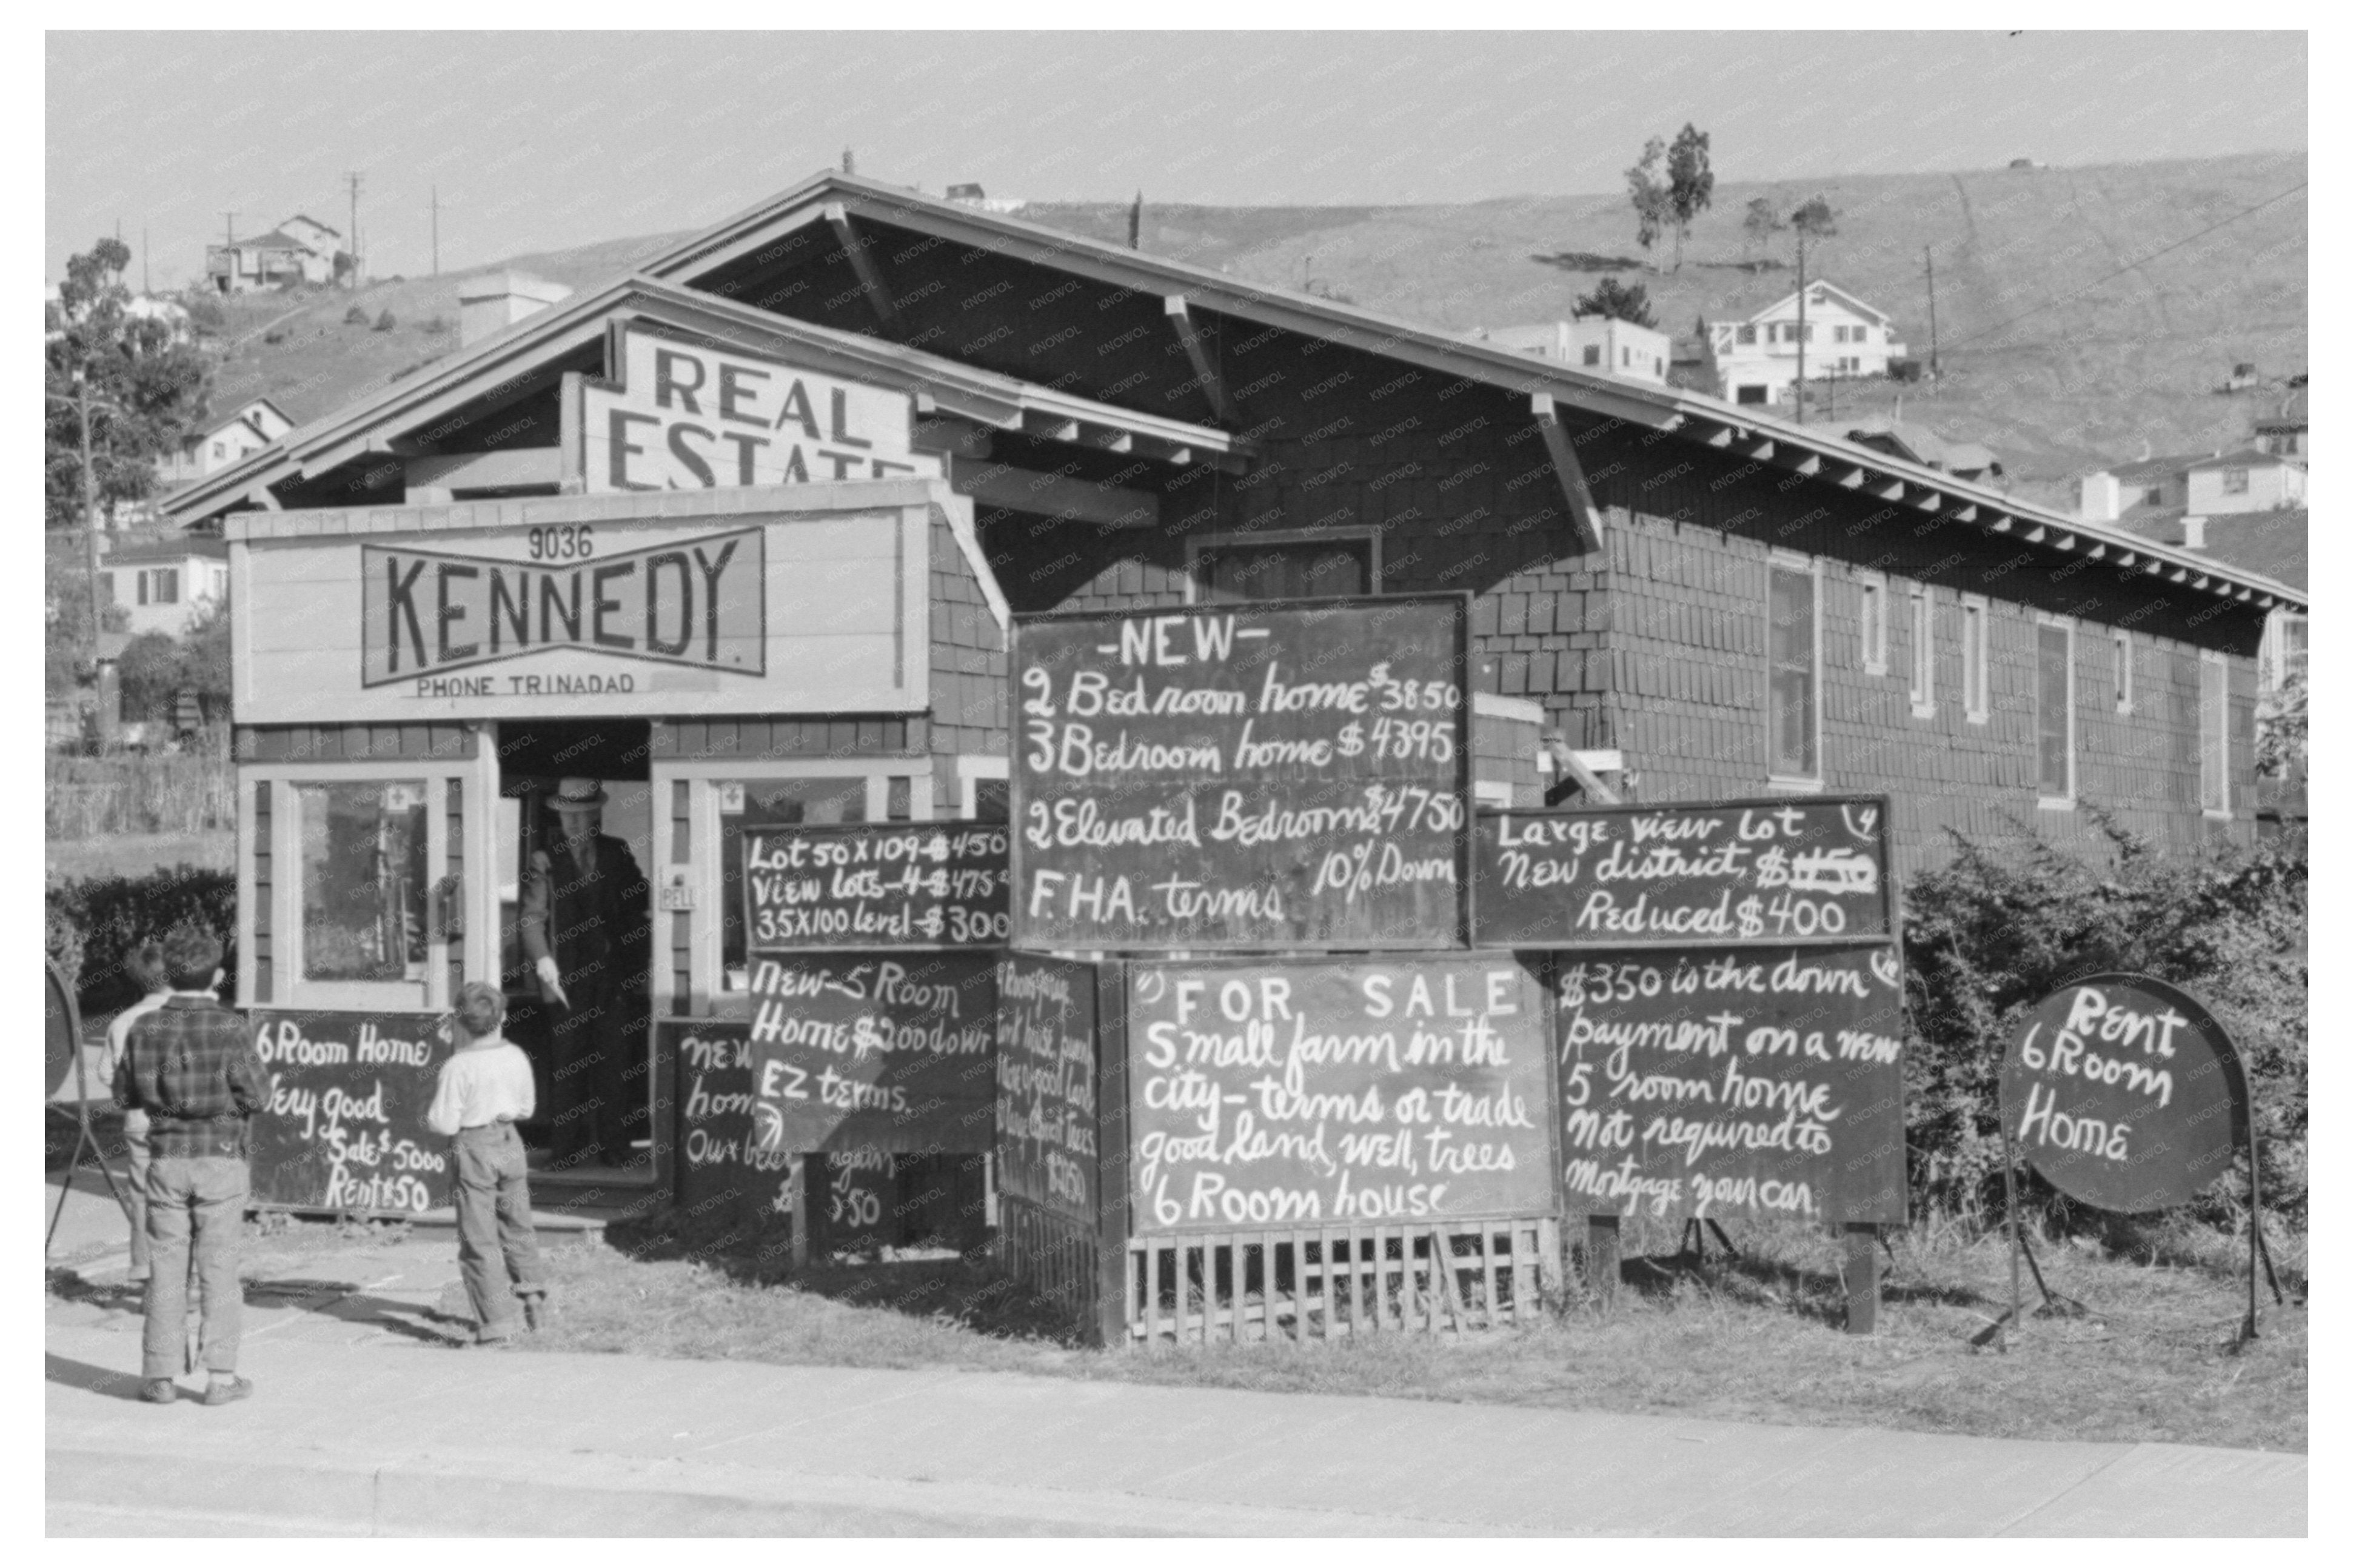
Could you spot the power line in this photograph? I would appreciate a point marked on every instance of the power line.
(2129, 265)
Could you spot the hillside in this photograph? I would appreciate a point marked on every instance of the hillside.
(2056, 352)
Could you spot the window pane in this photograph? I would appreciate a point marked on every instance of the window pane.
(772, 802)
(363, 881)
(1317, 570)
(2052, 696)
(992, 800)
(1923, 649)
(1790, 686)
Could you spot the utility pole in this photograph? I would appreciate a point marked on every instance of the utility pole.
(146, 285)
(1928, 254)
(1801, 324)
(352, 178)
(849, 162)
(436, 231)
(88, 506)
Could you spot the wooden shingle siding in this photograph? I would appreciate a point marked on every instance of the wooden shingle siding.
(262, 990)
(355, 742)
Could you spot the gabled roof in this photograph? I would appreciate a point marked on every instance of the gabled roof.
(2248, 457)
(1922, 445)
(1819, 286)
(847, 205)
(2142, 471)
(314, 223)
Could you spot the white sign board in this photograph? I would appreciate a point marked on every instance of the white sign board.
(729, 612)
(684, 416)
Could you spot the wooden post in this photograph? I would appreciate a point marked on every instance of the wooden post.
(800, 1213)
(1862, 1279)
(1112, 1226)
(1601, 1258)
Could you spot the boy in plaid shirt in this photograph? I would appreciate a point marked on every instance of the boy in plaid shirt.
(190, 1065)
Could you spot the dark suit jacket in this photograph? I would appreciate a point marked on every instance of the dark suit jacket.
(594, 923)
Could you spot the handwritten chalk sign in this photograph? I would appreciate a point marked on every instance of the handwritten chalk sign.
(1733, 1082)
(1242, 776)
(1762, 871)
(875, 887)
(2125, 1094)
(1333, 1091)
(874, 1051)
(721, 1172)
(344, 1128)
(1046, 1128)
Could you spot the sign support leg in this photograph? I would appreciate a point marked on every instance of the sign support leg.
(801, 1212)
(1601, 1258)
(2016, 1316)
(1862, 1279)
(2255, 1248)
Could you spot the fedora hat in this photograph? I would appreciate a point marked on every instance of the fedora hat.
(577, 794)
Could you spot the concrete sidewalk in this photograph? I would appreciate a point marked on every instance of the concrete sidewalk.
(368, 1422)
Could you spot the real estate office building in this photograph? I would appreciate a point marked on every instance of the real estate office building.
(739, 532)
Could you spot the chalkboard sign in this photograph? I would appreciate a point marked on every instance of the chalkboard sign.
(1047, 1133)
(1771, 871)
(874, 1051)
(1732, 1081)
(1336, 1092)
(720, 1171)
(1242, 776)
(875, 887)
(2125, 1094)
(346, 1124)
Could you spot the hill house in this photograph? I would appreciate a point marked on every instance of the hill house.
(1755, 361)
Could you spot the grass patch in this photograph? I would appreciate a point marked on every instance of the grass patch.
(1751, 1339)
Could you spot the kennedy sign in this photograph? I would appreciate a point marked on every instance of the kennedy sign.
(591, 605)
(696, 602)
(684, 416)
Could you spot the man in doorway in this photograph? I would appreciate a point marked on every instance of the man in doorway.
(584, 926)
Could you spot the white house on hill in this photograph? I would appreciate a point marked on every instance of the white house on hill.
(164, 584)
(1756, 360)
(1602, 343)
(299, 250)
(231, 440)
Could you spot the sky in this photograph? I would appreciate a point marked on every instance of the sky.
(545, 141)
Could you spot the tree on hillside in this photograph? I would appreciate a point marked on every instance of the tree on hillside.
(1813, 221)
(1761, 224)
(145, 387)
(1691, 184)
(1617, 300)
(1646, 188)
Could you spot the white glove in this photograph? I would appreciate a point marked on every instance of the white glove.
(548, 977)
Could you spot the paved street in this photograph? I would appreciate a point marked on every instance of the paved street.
(366, 1424)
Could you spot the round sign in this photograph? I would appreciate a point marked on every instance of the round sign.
(60, 1033)
(2125, 1094)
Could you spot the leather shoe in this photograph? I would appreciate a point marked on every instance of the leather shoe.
(229, 1393)
(159, 1391)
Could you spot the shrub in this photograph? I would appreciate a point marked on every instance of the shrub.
(355, 317)
(384, 323)
(1985, 938)
(91, 922)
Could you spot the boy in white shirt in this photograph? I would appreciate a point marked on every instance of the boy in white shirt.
(484, 1090)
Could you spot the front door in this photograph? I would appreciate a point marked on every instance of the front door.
(584, 902)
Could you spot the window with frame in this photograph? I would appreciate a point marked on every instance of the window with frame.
(1237, 571)
(167, 585)
(361, 845)
(2120, 643)
(1977, 682)
(775, 802)
(1593, 353)
(1794, 680)
(2213, 733)
(2054, 712)
(1745, 336)
(1873, 626)
(2234, 481)
(1924, 652)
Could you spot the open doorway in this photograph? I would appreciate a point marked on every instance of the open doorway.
(575, 834)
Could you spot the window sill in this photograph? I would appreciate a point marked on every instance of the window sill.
(1779, 785)
(2049, 802)
(1980, 717)
(2210, 814)
(1872, 667)
(1924, 711)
